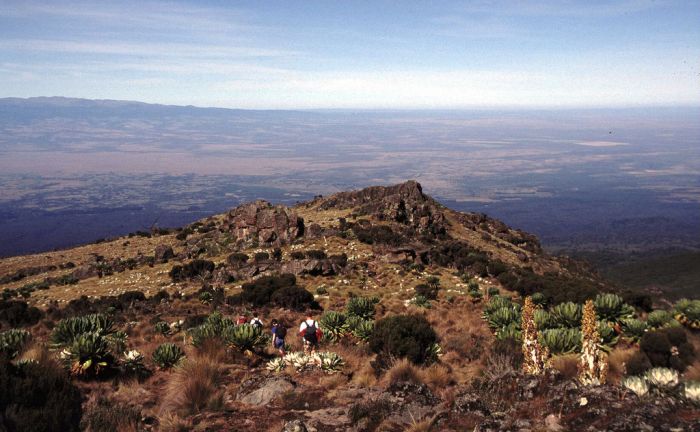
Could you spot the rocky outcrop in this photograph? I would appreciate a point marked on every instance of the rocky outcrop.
(264, 223)
(404, 203)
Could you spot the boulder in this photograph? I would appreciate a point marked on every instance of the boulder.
(163, 253)
(268, 391)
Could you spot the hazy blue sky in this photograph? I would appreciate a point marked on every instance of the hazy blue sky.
(359, 54)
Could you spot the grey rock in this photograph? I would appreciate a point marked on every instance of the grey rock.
(267, 392)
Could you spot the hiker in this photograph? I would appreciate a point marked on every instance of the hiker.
(242, 319)
(279, 332)
(256, 322)
(310, 333)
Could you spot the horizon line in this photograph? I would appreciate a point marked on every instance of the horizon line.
(513, 107)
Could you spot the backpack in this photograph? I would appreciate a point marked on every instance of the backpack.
(257, 323)
(280, 332)
(310, 332)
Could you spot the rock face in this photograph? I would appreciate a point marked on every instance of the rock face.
(264, 223)
(404, 203)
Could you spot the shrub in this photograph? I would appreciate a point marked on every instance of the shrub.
(430, 292)
(89, 355)
(543, 319)
(503, 317)
(561, 340)
(421, 301)
(667, 348)
(363, 330)
(567, 314)
(612, 308)
(556, 288)
(194, 269)
(608, 336)
(261, 256)
(634, 328)
(334, 325)
(295, 298)
(162, 327)
(297, 255)
(259, 291)
(403, 336)
(237, 258)
(378, 234)
(539, 299)
(167, 355)
(659, 318)
(110, 416)
(38, 397)
(67, 330)
(496, 302)
(18, 313)
(362, 307)
(246, 337)
(12, 342)
(215, 327)
(315, 254)
(637, 364)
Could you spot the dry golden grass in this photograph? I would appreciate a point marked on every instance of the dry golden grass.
(195, 385)
(424, 425)
(401, 371)
(173, 423)
(436, 376)
(616, 363)
(566, 364)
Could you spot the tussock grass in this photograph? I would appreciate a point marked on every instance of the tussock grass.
(195, 386)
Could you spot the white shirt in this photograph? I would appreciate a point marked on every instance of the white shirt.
(255, 321)
(307, 323)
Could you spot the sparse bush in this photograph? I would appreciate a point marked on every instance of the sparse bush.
(403, 336)
(167, 355)
(38, 397)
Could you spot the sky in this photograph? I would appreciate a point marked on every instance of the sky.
(355, 54)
